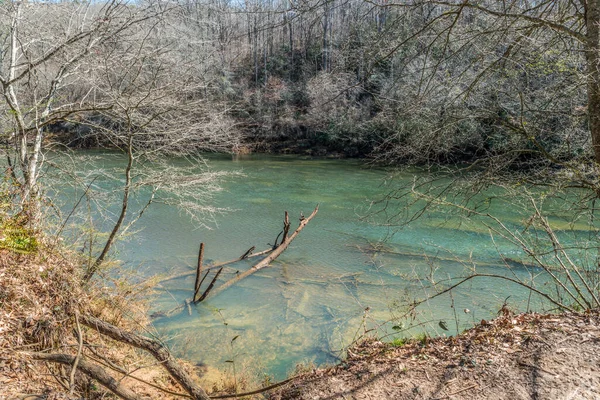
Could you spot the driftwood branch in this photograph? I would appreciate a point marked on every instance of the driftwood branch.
(91, 370)
(245, 256)
(199, 281)
(267, 260)
(209, 288)
(153, 347)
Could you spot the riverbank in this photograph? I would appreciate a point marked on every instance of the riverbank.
(511, 357)
(526, 356)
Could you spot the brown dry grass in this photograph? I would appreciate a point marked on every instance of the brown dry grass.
(40, 293)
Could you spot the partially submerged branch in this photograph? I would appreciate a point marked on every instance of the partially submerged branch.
(274, 253)
(267, 260)
(248, 254)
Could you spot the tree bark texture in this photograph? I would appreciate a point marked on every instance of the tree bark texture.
(153, 347)
(91, 370)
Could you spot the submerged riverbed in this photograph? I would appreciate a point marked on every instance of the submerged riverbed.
(336, 282)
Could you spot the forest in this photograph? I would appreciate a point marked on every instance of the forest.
(112, 108)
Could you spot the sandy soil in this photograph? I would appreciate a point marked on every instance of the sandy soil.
(528, 356)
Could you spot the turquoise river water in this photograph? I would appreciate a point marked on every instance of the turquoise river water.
(332, 285)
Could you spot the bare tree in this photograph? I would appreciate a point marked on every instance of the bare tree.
(158, 111)
(40, 62)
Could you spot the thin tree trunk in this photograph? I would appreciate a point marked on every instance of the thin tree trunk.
(326, 22)
(20, 136)
(116, 228)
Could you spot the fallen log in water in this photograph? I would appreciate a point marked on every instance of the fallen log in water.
(248, 254)
(274, 253)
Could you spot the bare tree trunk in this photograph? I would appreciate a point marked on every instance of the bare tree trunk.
(116, 228)
(326, 27)
(20, 135)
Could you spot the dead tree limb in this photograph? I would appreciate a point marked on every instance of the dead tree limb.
(209, 288)
(199, 272)
(219, 265)
(267, 260)
(92, 370)
(153, 347)
(197, 291)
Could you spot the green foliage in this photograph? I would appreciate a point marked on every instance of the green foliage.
(422, 338)
(16, 233)
(18, 238)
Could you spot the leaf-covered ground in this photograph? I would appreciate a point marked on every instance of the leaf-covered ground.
(527, 356)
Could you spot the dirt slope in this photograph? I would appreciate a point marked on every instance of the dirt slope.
(528, 356)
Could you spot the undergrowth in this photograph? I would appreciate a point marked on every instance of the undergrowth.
(41, 294)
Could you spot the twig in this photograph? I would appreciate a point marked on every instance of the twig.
(247, 253)
(457, 392)
(277, 240)
(258, 391)
(78, 356)
(62, 226)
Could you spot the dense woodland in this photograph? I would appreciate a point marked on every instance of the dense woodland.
(408, 81)
(510, 89)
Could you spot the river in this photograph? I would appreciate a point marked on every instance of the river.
(337, 281)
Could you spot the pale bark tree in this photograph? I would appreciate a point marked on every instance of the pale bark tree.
(39, 63)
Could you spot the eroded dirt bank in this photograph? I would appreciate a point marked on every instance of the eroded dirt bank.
(527, 356)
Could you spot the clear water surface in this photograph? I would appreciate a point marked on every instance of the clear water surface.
(331, 286)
